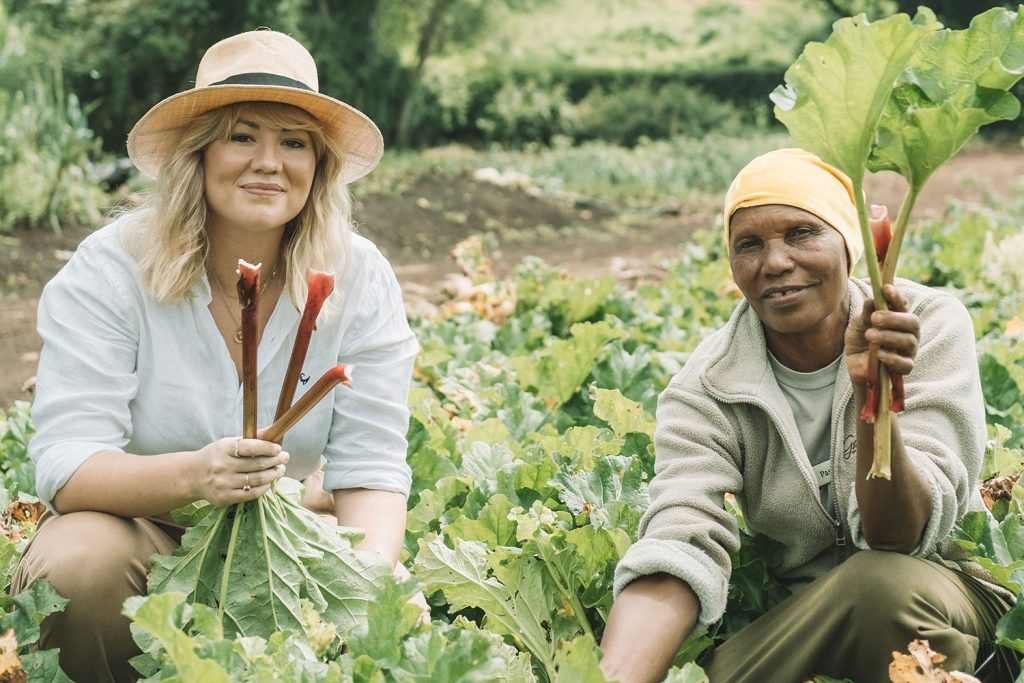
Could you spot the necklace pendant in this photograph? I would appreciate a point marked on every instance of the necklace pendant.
(238, 336)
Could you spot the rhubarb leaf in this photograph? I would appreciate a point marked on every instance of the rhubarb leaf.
(611, 494)
(835, 91)
(557, 371)
(954, 84)
(578, 661)
(156, 614)
(623, 415)
(31, 606)
(516, 604)
(284, 554)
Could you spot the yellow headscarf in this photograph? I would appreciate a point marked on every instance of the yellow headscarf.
(797, 178)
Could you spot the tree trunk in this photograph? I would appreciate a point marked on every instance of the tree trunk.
(423, 50)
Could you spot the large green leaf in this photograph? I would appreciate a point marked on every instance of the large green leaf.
(622, 415)
(283, 554)
(156, 615)
(558, 371)
(512, 595)
(612, 494)
(835, 91)
(31, 607)
(577, 661)
(954, 84)
(492, 524)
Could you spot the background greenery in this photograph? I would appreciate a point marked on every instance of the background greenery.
(76, 74)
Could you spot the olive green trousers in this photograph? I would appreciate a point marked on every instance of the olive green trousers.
(97, 561)
(847, 624)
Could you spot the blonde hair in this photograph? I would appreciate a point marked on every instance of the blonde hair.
(170, 239)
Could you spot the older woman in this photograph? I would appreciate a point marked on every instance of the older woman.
(139, 406)
(766, 408)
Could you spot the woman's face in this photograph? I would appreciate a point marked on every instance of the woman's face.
(791, 267)
(258, 178)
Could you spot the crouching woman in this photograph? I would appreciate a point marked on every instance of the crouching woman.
(139, 405)
(767, 408)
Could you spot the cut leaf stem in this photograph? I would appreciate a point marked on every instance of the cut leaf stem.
(321, 284)
(248, 298)
(341, 374)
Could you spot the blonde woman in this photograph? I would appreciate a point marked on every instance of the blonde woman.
(138, 404)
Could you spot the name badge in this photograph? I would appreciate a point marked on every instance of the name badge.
(823, 473)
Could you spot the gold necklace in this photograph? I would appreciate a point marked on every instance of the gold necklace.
(224, 291)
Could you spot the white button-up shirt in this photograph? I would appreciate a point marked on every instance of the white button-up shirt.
(120, 371)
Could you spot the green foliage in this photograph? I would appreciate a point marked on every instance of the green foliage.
(23, 614)
(185, 642)
(952, 13)
(275, 548)
(16, 468)
(836, 91)
(954, 84)
(626, 115)
(48, 152)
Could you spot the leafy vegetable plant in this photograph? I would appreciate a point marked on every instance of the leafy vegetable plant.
(901, 95)
(259, 562)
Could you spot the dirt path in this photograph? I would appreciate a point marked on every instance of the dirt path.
(595, 244)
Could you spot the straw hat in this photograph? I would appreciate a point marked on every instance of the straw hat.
(264, 66)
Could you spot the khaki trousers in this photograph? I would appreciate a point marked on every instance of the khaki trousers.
(847, 623)
(97, 561)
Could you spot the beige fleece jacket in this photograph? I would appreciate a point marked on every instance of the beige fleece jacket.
(724, 426)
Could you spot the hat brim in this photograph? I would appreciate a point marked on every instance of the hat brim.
(152, 140)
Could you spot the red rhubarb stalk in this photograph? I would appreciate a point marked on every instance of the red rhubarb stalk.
(883, 238)
(321, 285)
(341, 374)
(249, 299)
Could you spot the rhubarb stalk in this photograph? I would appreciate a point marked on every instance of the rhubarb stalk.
(248, 299)
(321, 285)
(885, 391)
(341, 374)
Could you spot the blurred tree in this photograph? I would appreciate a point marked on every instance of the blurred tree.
(952, 13)
(432, 27)
(355, 63)
(126, 55)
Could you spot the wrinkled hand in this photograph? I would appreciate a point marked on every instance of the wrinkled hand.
(896, 332)
(234, 470)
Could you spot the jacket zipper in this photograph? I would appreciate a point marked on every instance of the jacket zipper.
(837, 520)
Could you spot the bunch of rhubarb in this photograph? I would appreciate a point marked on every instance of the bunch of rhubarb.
(901, 95)
(257, 562)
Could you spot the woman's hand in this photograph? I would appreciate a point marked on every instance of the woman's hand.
(234, 470)
(896, 332)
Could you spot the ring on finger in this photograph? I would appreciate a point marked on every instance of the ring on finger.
(237, 441)
(247, 487)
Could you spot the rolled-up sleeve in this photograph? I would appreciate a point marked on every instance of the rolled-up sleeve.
(367, 445)
(87, 371)
(686, 531)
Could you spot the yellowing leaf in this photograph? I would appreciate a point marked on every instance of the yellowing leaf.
(10, 664)
(922, 665)
(622, 414)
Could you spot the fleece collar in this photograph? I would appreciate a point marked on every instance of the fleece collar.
(738, 371)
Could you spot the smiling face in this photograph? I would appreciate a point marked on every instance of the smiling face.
(259, 177)
(792, 268)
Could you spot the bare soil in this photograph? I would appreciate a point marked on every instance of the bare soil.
(418, 228)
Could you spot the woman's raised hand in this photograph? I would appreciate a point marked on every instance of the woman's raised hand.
(896, 332)
(234, 470)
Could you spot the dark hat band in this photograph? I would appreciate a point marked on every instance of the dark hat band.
(259, 78)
